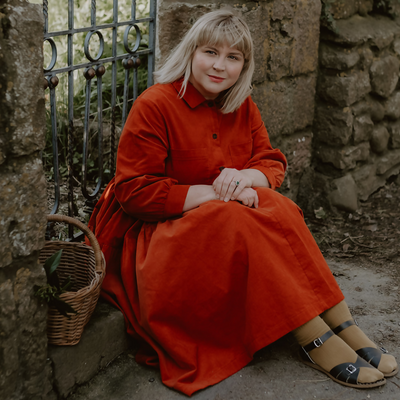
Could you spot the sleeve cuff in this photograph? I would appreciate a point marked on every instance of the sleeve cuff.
(175, 200)
(268, 173)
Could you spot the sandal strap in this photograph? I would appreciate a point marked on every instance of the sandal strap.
(348, 372)
(344, 325)
(318, 342)
(371, 355)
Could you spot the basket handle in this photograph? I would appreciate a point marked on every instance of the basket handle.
(93, 241)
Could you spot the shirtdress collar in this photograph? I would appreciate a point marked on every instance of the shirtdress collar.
(192, 96)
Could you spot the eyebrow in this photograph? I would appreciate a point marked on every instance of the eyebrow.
(234, 52)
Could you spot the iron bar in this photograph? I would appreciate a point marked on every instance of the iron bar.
(94, 69)
(70, 55)
(53, 82)
(103, 26)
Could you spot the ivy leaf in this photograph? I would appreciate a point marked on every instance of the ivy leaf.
(62, 307)
(50, 267)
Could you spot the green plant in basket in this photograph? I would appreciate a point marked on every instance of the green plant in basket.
(53, 289)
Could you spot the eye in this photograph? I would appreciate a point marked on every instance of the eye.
(210, 52)
(233, 57)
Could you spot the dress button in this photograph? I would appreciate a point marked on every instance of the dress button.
(210, 104)
(215, 135)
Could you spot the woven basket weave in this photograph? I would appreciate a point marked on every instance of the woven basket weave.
(86, 266)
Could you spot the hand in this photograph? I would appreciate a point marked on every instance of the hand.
(248, 197)
(226, 187)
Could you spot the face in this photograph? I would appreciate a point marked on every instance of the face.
(215, 69)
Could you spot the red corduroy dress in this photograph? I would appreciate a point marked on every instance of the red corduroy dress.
(207, 288)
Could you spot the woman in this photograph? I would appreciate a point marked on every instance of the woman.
(206, 261)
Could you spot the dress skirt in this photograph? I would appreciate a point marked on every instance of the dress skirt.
(206, 290)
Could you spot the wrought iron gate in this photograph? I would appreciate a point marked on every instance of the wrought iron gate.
(115, 54)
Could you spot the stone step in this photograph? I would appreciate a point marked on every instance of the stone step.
(104, 338)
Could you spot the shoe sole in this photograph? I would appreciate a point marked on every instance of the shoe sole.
(393, 373)
(352, 385)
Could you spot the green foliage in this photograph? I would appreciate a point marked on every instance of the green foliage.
(327, 19)
(58, 17)
(50, 293)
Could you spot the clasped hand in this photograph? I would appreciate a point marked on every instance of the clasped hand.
(232, 184)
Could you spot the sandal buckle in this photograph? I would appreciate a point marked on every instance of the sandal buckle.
(318, 342)
(351, 369)
(383, 350)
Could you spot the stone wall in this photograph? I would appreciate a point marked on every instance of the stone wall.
(24, 372)
(357, 126)
(286, 35)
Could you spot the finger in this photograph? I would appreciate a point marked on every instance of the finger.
(227, 188)
(231, 188)
(223, 178)
(245, 201)
(217, 184)
(256, 201)
(239, 189)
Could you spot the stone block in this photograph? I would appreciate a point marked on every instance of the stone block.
(396, 46)
(376, 109)
(174, 20)
(345, 157)
(379, 139)
(344, 89)
(22, 209)
(392, 106)
(103, 339)
(259, 25)
(306, 37)
(362, 128)
(394, 132)
(366, 180)
(367, 58)
(335, 57)
(333, 125)
(388, 161)
(342, 8)
(287, 105)
(384, 75)
(379, 31)
(344, 194)
(365, 6)
(23, 125)
(283, 9)
(279, 62)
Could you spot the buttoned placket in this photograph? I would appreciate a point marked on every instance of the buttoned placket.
(215, 134)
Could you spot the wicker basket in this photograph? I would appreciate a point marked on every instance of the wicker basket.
(86, 266)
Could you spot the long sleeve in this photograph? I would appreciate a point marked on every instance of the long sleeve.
(271, 162)
(142, 188)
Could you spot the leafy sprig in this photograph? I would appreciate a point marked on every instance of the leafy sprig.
(52, 291)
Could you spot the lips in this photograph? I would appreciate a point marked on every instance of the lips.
(217, 79)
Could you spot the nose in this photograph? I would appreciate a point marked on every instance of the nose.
(219, 64)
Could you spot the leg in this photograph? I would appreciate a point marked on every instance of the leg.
(339, 319)
(331, 355)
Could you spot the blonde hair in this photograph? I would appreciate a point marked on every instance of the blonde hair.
(214, 29)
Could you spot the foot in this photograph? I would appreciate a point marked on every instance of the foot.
(335, 352)
(368, 350)
(339, 319)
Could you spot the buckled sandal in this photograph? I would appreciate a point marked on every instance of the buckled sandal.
(370, 354)
(346, 373)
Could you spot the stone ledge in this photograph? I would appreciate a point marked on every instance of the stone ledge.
(357, 30)
(103, 339)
